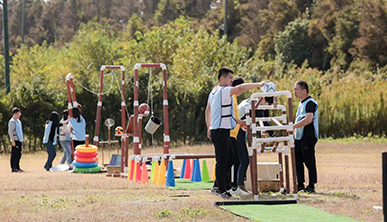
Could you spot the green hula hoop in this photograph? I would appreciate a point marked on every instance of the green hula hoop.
(87, 170)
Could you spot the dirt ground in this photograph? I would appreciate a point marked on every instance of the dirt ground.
(349, 183)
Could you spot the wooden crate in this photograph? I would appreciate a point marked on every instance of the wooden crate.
(268, 185)
(113, 170)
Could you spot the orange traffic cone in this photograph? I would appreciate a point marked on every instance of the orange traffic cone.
(213, 173)
(161, 177)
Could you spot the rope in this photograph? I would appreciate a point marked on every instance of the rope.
(122, 96)
(151, 97)
(96, 93)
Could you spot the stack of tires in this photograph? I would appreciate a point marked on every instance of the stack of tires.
(86, 159)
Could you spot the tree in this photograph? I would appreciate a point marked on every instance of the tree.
(293, 45)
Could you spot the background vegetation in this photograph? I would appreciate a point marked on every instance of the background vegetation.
(338, 47)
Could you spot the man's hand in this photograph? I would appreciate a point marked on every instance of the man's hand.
(13, 143)
(208, 134)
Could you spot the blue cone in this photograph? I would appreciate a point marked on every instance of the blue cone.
(170, 182)
(196, 172)
(193, 170)
(183, 169)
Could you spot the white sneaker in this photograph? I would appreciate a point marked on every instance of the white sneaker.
(226, 195)
(239, 192)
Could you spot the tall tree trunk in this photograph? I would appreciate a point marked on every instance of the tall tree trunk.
(35, 139)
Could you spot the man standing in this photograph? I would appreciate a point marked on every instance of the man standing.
(15, 131)
(220, 120)
(306, 136)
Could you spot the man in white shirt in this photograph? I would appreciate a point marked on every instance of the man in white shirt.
(220, 120)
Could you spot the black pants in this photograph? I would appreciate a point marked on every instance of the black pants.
(77, 142)
(16, 154)
(243, 155)
(234, 161)
(51, 154)
(305, 154)
(221, 140)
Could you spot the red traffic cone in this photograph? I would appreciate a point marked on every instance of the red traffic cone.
(144, 173)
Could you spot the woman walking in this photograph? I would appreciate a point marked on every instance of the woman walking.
(49, 139)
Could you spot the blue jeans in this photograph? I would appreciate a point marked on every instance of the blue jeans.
(66, 152)
(243, 157)
(51, 154)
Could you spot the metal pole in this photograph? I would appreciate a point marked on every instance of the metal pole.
(23, 21)
(6, 46)
(225, 17)
(384, 173)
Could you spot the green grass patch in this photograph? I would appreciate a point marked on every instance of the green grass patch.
(285, 212)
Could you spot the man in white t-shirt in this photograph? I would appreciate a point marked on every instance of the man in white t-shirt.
(220, 120)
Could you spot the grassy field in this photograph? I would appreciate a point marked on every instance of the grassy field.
(349, 183)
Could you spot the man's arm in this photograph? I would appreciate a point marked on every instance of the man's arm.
(11, 129)
(240, 122)
(307, 120)
(309, 109)
(245, 87)
(208, 119)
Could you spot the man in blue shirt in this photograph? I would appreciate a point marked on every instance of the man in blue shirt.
(306, 136)
(15, 131)
(220, 120)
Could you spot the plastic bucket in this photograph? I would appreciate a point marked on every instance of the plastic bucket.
(152, 125)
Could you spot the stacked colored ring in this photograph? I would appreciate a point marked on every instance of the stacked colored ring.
(86, 159)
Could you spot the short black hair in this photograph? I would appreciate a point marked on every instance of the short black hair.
(303, 85)
(15, 110)
(237, 81)
(224, 71)
(269, 100)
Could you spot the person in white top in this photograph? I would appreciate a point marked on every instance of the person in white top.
(220, 120)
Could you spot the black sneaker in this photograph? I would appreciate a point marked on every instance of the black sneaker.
(215, 191)
(226, 195)
(309, 190)
(15, 170)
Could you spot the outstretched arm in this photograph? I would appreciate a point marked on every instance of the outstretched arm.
(245, 87)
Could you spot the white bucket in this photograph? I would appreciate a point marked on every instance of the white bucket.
(152, 125)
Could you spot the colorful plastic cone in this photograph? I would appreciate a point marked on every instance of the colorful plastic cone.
(131, 169)
(196, 176)
(206, 176)
(213, 173)
(144, 173)
(170, 175)
(152, 170)
(193, 169)
(156, 172)
(138, 172)
(183, 169)
(134, 171)
(187, 173)
(161, 176)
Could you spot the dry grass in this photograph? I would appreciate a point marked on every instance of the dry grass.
(349, 183)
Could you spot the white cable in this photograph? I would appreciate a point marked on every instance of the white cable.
(151, 98)
(84, 87)
(122, 96)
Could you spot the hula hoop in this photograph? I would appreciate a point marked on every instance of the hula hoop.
(87, 170)
(86, 160)
(85, 165)
(84, 149)
(85, 155)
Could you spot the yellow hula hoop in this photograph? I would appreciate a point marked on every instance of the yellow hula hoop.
(84, 149)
